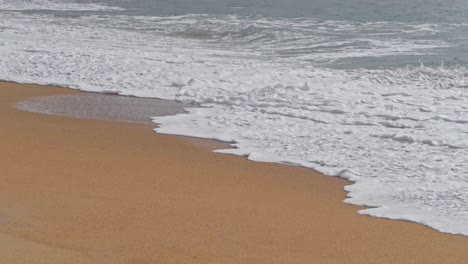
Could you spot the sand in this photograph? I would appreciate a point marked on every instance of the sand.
(88, 191)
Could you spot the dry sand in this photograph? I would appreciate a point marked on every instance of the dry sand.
(88, 191)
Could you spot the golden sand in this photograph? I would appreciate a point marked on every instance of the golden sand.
(88, 191)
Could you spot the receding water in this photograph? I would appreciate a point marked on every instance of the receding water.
(103, 107)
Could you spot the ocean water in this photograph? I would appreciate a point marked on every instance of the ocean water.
(371, 91)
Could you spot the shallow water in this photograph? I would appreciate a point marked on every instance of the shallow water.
(103, 107)
(371, 91)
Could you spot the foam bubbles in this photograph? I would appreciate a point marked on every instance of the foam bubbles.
(406, 163)
(37, 5)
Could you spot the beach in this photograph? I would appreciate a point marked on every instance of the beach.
(89, 191)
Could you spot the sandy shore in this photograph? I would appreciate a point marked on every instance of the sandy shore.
(87, 191)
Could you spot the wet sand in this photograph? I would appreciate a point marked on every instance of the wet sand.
(88, 191)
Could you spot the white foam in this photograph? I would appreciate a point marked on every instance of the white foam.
(25, 5)
(406, 163)
(398, 134)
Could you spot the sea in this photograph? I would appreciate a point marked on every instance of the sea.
(372, 91)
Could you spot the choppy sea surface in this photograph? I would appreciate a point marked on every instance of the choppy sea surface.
(367, 90)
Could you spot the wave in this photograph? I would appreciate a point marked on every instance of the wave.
(399, 133)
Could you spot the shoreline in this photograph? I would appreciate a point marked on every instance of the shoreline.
(92, 191)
